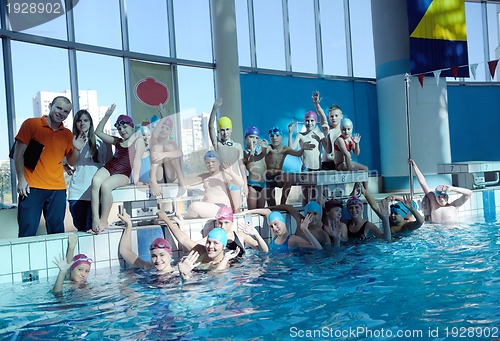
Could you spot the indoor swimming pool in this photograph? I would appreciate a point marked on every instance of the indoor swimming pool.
(440, 282)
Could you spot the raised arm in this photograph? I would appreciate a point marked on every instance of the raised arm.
(99, 130)
(466, 193)
(125, 245)
(385, 233)
(70, 251)
(304, 226)
(181, 237)
(232, 177)
(291, 129)
(253, 237)
(356, 138)
(419, 220)
(420, 177)
(319, 110)
(212, 131)
(63, 270)
(371, 201)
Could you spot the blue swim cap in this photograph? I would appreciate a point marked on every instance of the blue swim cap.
(276, 131)
(345, 122)
(275, 215)
(399, 209)
(313, 206)
(218, 234)
(252, 130)
(211, 154)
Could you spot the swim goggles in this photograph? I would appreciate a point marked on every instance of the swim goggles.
(275, 131)
(160, 245)
(122, 122)
(440, 193)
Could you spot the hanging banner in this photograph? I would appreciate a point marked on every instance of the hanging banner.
(438, 36)
(151, 85)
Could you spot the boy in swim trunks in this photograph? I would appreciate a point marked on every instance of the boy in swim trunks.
(254, 160)
(311, 159)
(229, 151)
(275, 158)
(442, 211)
(333, 123)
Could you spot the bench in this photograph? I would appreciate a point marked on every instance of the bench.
(472, 174)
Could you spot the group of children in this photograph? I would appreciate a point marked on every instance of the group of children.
(254, 171)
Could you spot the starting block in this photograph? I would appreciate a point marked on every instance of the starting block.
(472, 174)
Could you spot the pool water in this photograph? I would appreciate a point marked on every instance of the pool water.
(436, 283)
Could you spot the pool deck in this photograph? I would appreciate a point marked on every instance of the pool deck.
(30, 258)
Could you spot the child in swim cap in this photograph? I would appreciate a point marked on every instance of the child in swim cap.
(333, 224)
(160, 250)
(346, 145)
(230, 152)
(78, 266)
(255, 163)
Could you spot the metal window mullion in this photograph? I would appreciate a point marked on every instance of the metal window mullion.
(251, 33)
(73, 70)
(486, 44)
(286, 35)
(126, 60)
(173, 54)
(319, 45)
(348, 37)
(9, 97)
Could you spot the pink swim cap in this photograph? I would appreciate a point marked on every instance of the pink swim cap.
(311, 114)
(225, 213)
(160, 243)
(79, 259)
(169, 123)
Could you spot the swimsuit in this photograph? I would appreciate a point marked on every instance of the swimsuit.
(120, 163)
(281, 248)
(360, 234)
(271, 181)
(349, 146)
(257, 185)
(305, 169)
(236, 243)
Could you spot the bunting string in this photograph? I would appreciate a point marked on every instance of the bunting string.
(492, 66)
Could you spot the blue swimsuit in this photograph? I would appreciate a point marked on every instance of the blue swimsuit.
(282, 248)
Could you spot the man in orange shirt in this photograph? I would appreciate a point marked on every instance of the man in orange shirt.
(43, 189)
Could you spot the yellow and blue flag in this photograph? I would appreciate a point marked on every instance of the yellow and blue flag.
(438, 36)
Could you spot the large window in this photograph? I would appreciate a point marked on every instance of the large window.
(333, 40)
(363, 56)
(97, 22)
(302, 36)
(101, 83)
(38, 80)
(193, 34)
(148, 35)
(195, 101)
(243, 32)
(269, 36)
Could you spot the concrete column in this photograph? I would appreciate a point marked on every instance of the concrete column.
(430, 139)
(227, 74)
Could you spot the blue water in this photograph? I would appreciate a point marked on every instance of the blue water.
(437, 283)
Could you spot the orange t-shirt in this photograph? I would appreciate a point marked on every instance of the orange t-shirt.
(49, 171)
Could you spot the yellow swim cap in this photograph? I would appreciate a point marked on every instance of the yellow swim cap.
(225, 122)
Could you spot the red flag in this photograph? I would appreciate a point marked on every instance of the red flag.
(454, 71)
(421, 79)
(492, 65)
